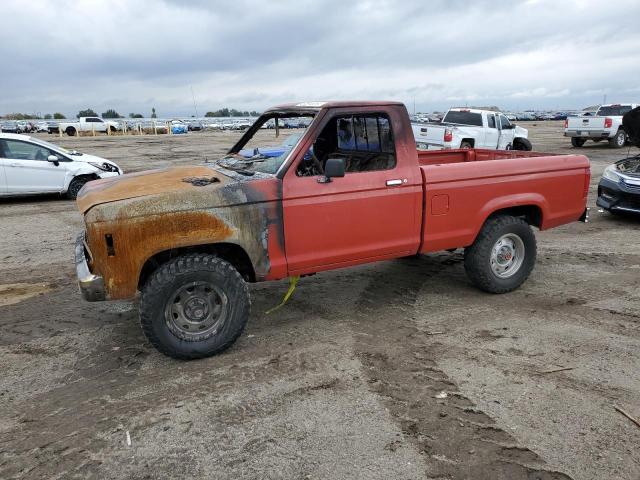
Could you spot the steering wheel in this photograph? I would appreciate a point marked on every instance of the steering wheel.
(317, 163)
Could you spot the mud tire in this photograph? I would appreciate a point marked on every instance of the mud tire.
(172, 276)
(477, 257)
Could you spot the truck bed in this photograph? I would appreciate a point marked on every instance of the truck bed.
(463, 187)
(435, 157)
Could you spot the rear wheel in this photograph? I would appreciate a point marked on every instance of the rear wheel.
(577, 142)
(70, 131)
(522, 144)
(466, 144)
(194, 306)
(503, 255)
(618, 140)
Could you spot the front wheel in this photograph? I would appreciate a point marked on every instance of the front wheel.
(502, 256)
(194, 306)
(75, 186)
(618, 140)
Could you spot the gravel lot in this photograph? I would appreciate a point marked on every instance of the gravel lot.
(342, 382)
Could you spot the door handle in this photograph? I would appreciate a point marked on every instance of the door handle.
(394, 183)
(15, 165)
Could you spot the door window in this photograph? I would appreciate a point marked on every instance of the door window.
(504, 122)
(365, 142)
(16, 149)
(491, 121)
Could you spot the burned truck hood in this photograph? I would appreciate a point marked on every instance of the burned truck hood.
(161, 182)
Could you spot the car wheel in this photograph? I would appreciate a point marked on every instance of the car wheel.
(71, 131)
(618, 140)
(577, 142)
(194, 306)
(522, 144)
(466, 145)
(502, 256)
(75, 186)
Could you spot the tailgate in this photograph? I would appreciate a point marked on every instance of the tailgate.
(428, 135)
(585, 123)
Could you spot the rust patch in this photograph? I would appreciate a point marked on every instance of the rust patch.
(201, 181)
(135, 240)
(141, 184)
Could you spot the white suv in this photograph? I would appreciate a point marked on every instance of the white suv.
(30, 166)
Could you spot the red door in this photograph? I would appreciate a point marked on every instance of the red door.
(363, 216)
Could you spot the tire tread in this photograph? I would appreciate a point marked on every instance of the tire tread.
(152, 293)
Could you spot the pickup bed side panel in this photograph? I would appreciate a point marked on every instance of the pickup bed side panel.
(459, 197)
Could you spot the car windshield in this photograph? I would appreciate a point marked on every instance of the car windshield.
(613, 110)
(264, 150)
(463, 118)
(44, 143)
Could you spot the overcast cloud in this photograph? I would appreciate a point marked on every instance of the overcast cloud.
(134, 55)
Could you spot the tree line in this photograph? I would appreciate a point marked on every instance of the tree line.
(225, 112)
(112, 113)
(32, 116)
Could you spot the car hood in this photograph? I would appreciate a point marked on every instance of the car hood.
(149, 183)
(91, 159)
(629, 166)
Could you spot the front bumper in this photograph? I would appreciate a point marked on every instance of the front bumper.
(91, 286)
(618, 197)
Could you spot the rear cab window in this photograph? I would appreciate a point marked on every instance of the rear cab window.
(613, 110)
(463, 117)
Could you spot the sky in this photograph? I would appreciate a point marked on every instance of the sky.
(67, 55)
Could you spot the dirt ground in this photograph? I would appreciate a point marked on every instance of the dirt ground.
(342, 383)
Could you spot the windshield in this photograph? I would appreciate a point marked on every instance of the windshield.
(267, 147)
(52, 146)
(613, 110)
(463, 118)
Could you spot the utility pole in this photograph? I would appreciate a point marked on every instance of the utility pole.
(194, 101)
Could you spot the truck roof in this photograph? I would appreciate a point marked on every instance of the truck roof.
(317, 106)
(472, 110)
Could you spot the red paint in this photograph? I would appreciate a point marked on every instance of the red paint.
(358, 218)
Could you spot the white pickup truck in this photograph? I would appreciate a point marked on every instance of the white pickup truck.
(471, 128)
(606, 125)
(89, 124)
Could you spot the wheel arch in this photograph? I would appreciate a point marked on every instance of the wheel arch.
(532, 208)
(230, 252)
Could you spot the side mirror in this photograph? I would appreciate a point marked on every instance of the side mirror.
(53, 159)
(334, 167)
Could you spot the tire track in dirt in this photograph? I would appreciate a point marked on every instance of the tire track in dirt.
(457, 440)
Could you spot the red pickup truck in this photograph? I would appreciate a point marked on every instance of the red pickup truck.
(351, 189)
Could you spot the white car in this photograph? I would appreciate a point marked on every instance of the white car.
(471, 128)
(605, 125)
(89, 124)
(30, 166)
